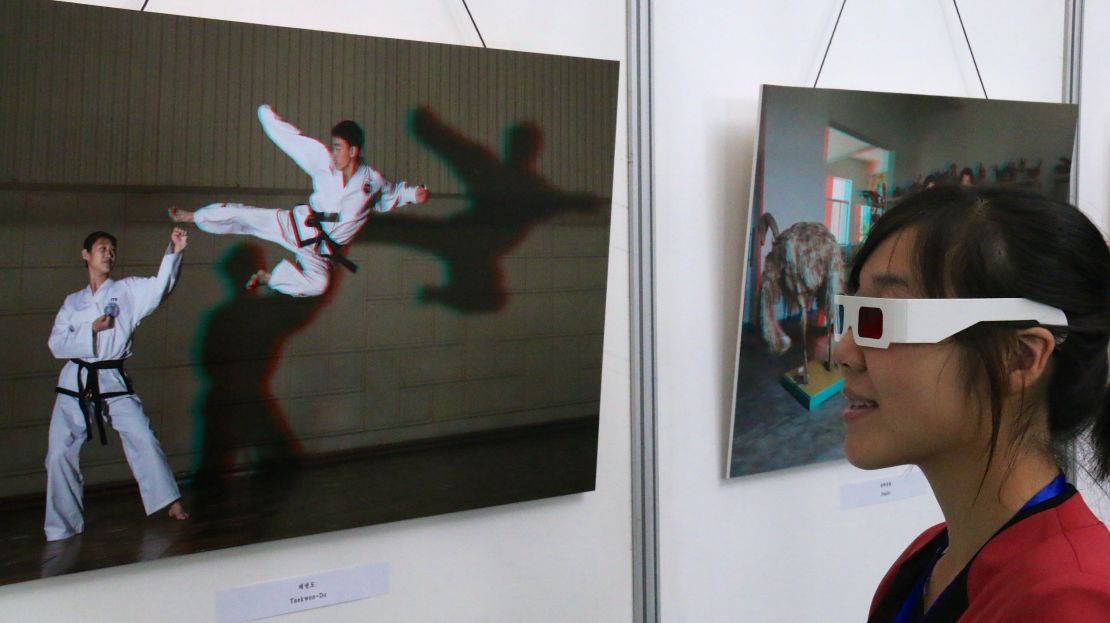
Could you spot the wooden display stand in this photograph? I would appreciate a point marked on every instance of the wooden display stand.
(823, 384)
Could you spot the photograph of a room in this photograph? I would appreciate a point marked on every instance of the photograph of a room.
(828, 163)
(452, 363)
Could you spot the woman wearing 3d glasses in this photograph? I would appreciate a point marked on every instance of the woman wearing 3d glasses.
(974, 345)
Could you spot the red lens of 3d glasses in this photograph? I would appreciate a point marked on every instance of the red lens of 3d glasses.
(870, 323)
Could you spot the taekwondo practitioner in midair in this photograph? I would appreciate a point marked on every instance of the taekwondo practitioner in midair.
(93, 330)
(345, 189)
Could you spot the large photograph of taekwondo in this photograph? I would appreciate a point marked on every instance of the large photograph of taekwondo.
(829, 163)
(265, 282)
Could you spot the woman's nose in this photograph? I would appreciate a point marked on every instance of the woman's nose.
(846, 353)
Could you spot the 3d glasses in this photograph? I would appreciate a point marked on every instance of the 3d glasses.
(879, 322)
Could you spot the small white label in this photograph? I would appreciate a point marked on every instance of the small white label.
(910, 484)
(258, 601)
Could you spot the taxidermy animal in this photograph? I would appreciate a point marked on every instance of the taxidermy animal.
(804, 267)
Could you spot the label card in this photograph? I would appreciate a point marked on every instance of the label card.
(258, 601)
(910, 484)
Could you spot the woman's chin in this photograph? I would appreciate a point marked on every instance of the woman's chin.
(866, 458)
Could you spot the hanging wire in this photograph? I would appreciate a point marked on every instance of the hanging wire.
(830, 43)
(475, 25)
(144, 6)
(983, 86)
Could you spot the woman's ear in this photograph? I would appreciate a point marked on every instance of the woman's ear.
(1031, 359)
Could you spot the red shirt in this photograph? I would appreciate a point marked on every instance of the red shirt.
(1050, 564)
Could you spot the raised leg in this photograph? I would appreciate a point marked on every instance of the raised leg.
(178, 215)
(310, 276)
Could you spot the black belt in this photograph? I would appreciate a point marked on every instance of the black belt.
(316, 219)
(88, 390)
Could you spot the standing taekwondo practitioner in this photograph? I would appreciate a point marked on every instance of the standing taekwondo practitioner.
(93, 330)
(345, 188)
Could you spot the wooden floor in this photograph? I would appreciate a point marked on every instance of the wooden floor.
(771, 429)
(324, 494)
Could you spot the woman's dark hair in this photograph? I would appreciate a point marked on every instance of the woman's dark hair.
(984, 242)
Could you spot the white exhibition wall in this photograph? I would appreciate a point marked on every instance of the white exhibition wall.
(1094, 116)
(777, 547)
(555, 560)
(1094, 161)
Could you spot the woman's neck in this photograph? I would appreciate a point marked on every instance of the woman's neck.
(974, 512)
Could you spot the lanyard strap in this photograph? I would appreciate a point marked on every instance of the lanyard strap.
(915, 600)
(1058, 486)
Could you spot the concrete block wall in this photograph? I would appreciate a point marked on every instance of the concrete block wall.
(139, 99)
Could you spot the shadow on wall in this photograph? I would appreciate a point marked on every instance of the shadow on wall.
(240, 425)
(240, 343)
(506, 198)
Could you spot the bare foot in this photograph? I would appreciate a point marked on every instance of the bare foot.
(180, 216)
(260, 278)
(177, 511)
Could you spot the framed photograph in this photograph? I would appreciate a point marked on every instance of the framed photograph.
(265, 282)
(828, 164)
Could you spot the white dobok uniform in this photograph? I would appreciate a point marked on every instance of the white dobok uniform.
(347, 204)
(73, 338)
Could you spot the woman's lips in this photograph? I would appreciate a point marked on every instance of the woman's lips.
(857, 408)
